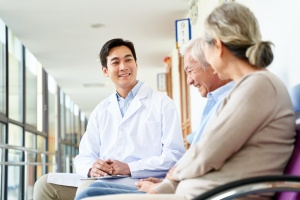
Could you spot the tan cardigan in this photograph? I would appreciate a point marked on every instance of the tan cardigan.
(251, 134)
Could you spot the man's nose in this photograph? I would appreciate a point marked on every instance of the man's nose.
(189, 80)
(123, 66)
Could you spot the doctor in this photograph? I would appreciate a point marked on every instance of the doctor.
(136, 131)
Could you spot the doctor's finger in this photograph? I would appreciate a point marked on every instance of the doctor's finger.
(97, 173)
(104, 163)
(104, 167)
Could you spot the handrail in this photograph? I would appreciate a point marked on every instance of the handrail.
(26, 163)
(7, 146)
(26, 150)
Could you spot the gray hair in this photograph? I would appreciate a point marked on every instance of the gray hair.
(195, 46)
(236, 26)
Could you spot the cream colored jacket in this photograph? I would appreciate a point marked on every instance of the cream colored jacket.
(252, 134)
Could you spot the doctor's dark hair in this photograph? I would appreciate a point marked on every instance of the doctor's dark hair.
(115, 43)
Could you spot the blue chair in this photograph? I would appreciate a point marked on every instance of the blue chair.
(295, 97)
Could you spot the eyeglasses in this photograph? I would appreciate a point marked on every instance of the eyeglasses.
(190, 69)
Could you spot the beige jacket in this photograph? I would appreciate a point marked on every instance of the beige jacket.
(252, 134)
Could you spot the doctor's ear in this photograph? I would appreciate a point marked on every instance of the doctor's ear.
(104, 70)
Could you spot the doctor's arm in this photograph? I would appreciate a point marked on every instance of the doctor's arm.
(89, 149)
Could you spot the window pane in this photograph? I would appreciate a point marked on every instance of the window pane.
(69, 119)
(41, 145)
(15, 135)
(82, 125)
(76, 125)
(62, 116)
(52, 123)
(15, 78)
(2, 134)
(30, 142)
(29, 181)
(14, 183)
(31, 64)
(2, 68)
(40, 106)
(63, 157)
(2, 140)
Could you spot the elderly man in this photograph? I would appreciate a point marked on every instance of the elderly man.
(201, 76)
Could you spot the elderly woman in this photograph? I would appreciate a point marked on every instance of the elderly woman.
(253, 131)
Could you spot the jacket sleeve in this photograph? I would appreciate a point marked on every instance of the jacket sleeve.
(89, 148)
(166, 187)
(171, 141)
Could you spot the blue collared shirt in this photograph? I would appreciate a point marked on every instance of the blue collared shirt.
(214, 100)
(125, 103)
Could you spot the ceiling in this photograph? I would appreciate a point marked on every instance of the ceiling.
(67, 35)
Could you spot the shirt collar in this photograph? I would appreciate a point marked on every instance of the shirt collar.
(133, 91)
(221, 91)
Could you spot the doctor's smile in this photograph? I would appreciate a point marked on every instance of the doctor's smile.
(124, 75)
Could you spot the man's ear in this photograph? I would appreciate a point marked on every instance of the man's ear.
(104, 70)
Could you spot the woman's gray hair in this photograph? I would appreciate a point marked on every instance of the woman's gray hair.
(195, 46)
(237, 27)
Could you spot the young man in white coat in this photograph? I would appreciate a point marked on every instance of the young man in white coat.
(136, 131)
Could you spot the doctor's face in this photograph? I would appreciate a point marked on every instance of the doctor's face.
(121, 68)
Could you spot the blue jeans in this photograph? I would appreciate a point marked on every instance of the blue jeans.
(105, 188)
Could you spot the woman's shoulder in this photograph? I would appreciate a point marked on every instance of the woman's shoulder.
(261, 78)
(264, 81)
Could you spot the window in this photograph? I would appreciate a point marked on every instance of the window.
(32, 66)
(30, 142)
(2, 68)
(40, 105)
(52, 122)
(82, 124)
(41, 157)
(69, 119)
(2, 140)
(62, 115)
(15, 176)
(15, 78)
(76, 125)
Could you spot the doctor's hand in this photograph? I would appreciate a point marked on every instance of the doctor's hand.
(101, 168)
(120, 168)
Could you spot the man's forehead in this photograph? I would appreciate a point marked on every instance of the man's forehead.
(190, 66)
(116, 57)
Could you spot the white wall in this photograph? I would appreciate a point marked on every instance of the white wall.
(279, 22)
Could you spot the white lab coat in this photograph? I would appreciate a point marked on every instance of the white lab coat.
(148, 137)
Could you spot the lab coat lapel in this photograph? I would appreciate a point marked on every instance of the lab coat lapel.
(113, 107)
(136, 103)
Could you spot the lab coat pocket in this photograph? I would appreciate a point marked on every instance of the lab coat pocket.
(149, 133)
